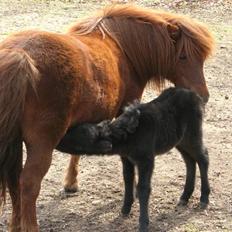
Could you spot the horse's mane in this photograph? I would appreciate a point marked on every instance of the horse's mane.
(195, 39)
(138, 31)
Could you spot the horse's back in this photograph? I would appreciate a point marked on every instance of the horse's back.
(77, 83)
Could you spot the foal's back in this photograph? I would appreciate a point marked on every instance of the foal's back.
(175, 117)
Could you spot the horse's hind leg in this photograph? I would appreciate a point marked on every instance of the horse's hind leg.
(40, 141)
(70, 180)
(129, 179)
(39, 156)
(190, 177)
(14, 189)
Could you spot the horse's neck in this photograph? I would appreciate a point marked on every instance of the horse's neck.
(105, 48)
(109, 47)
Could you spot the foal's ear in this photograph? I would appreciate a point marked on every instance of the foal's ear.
(133, 121)
(125, 124)
(174, 31)
(103, 123)
(103, 129)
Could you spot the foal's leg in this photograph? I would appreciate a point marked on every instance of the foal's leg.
(199, 154)
(145, 169)
(190, 177)
(129, 178)
(203, 163)
(70, 180)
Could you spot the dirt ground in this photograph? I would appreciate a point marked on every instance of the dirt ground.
(97, 205)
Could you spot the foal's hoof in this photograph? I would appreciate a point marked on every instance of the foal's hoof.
(125, 215)
(125, 212)
(143, 228)
(203, 205)
(182, 202)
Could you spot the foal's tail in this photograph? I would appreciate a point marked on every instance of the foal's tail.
(17, 73)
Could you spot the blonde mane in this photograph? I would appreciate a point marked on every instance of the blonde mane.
(143, 35)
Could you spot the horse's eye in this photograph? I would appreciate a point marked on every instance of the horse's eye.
(183, 57)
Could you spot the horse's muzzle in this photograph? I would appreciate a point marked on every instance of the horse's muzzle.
(205, 98)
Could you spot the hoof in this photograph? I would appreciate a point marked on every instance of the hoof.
(126, 209)
(125, 213)
(182, 203)
(64, 193)
(71, 188)
(143, 228)
(203, 205)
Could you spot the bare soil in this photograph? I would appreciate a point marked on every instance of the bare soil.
(96, 206)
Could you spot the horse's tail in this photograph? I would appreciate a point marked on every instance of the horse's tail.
(17, 74)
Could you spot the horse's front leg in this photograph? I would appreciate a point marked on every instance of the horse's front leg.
(145, 169)
(71, 178)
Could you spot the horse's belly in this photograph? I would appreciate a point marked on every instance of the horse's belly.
(104, 103)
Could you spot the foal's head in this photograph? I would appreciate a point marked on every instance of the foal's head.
(87, 139)
(98, 138)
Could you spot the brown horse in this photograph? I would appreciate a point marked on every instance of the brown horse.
(51, 81)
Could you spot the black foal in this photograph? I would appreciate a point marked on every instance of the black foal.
(174, 119)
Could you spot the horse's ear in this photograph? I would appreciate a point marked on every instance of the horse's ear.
(174, 31)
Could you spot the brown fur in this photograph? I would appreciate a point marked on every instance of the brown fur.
(123, 24)
(51, 81)
(17, 72)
